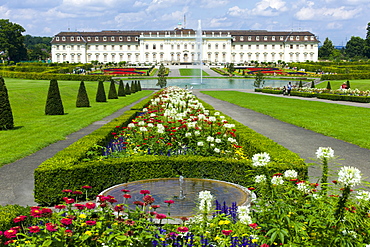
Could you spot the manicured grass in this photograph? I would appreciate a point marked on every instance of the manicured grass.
(362, 85)
(347, 123)
(34, 130)
(192, 72)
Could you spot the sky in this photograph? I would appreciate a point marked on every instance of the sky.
(337, 20)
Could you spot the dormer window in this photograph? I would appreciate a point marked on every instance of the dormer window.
(273, 37)
(249, 38)
(88, 38)
(120, 38)
(112, 38)
(257, 37)
(305, 38)
(57, 38)
(136, 38)
(128, 38)
(96, 38)
(291, 38)
(265, 38)
(241, 38)
(297, 38)
(78, 38)
(312, 38)
(281, 38)
(63, 38)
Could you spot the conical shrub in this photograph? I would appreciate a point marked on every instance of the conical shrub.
(328, 86)
(121, 89)
(300, 84)
(133, 89)
(112, 90)
(139, 84)
(82, 97)
(6, 114)
(348, 85)
(128, 89)
(313, 84)
(100, 94)
(54, 104)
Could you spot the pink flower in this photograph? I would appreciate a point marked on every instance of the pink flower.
(264, 245)
(68, 200)
(226, 232)
(36, 213)
(119, 208)
(145, 192)
(34, 229)
(77, 192)
(51, 227)
(19, 218)
(10, 233)
(67, 191)
(253, 225)
(124, 190)
(148, 199)
(182, 229)
(91, 222)
(86, 187)
(169, 202)
(90, 205)
(79, 206)
(61, 206)
(66, 221)
(160, 216)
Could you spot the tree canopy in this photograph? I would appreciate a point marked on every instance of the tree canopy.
(326, 50)
(11, 41)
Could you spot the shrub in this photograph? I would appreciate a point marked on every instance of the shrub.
(127, 89)
(112, 90)
(313, 84)
(82, 97)
(348, 84)
(121, 89)
(54, 104)
(100, 94)
(6, 114)
(328, 86)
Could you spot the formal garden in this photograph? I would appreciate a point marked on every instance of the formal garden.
(172, 133)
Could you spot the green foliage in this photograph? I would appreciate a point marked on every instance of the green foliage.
(6, 114)
(82, 97)
(302, 94)
(326, 50)
(328, 86)
(300, 84)
(259, 80)
(38, 48)
(54, 104)
(220, 71)
(121, 89)
(11, 40)
(162, 82)
(127, 89)
(8, 213)
(139, 86)
(355, 47)
(313, 84)
(348, 84)
(112, 94)
(230, 68)
(336, 97)
(133, 87)
(100, 94)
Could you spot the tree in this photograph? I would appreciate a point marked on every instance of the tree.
(6, 114)
(100, 94)
(355, 47)
(328, 86)
(162, 81)
(133, 87)
(139, 85)
(121, 89)
(367, 42)
(82, 97)
(348, 85)
(326, 50)
(300, 84)
(127, 89)
(313, 84)
(112, 94)
(38, 48)
(11, 40)
(230, 68)
(54, 104)
(259, 80)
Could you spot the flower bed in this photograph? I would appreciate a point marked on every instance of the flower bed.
(83, 162)
(126, 71)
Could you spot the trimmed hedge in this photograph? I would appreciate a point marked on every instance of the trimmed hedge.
(71, 169)
(51, 76)
(272, 91)
(303, 94)
(360, 99)
(351, 76)
(7, 214)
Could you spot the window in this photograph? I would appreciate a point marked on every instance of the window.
(161, 46)
(273, 47)
(78, 47)
(297, 38)
(265, 46)
(216, 46)
(78, 38)
(172, 47)
(185, 46)
(72, 47)
(257, 47)
(178, 47)
(249, 47)
(112, 38)
(128, 38)
(265, 38)
(64, 47)
(112, 47)
(273, 37)
(281, 38)
(291, 46)
(136, 38)
(104, 38)
(63, 38)
(241, 38)
(154, 46)
(128, 47)
(305, 38)
(136, 47)
(291, 38)
(192, 46)
(241, 47)
(120, 38)
(57, 38)
(104, 47)
(147, 47)
(96, 47)
(57, 47)
(224, 46)
(249, 38)
(72, 38)
(96, 38)
(121, 47)
(88, 38)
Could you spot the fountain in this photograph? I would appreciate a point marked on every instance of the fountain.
(199, 49)
(184, 192)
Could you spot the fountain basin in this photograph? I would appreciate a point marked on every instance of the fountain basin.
(163, 189)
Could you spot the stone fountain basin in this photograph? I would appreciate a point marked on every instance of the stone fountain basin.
(163, 189)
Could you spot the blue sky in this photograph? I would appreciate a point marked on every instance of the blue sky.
(338, 20)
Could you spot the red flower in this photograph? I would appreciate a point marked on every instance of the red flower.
(124, 190)
(46, 212)
(36, 213)
(9, 242)
(61, 206)
(169, 202)
(77, 192)
(335, 181)
(118, 208)
(144, 192)
(251, 188)
(156, 206)
(264, 245)
(66, 221)
(91, 222)
(67, 191)
(129, 222)
(34, 229)
(68, 200)
(51, 227)
(86, 187)
(160, 216)
(253, 225)
(184, 218)
(182, 229)
(19, 219)
(10, 233)
(90, 205)
(80, 206)
(127, 196)
(139, 203)
(148, 199)
(226, 232)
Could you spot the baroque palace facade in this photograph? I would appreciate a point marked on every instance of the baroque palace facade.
(185, 46)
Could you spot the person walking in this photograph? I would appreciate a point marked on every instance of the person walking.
(289, 88)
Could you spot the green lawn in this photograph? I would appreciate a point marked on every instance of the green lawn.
(192, 72)
(362, 85)
(347, 123)
(34, 130)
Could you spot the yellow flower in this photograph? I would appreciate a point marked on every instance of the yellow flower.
(88, 233)
(115, 224)
(254, 240)
(162, 239)
(217, 238)
(211, 225)
(83, 224)
(82, 216)
(224, 222)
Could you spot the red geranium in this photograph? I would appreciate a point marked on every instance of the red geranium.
(19, 218)
(10, 233)
(34, 229)
(91, 222)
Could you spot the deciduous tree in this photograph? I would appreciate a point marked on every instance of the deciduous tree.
(11, 40)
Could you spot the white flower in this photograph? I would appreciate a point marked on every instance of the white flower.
(210, 139)
(197, 133)
(131, 125)
(243, 215)
(188, 134)
(290, 174)
(363, 195)
(205, 201)
(141, 123)
(327, 153)
(212, 119)
(277, 180)
(349, 176)
(232, 140)
(145, 109)
(160, 131)
(218, 140)
(217, 113)
(260, 179)
(303, 187)
(150, 125)
(143, 129)
(260, 159)
(216, 150)
(200, 144)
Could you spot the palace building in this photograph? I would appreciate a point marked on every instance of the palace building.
(185, 46)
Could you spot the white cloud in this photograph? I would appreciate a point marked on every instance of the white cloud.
(129, 17)
(219, 22)
(213, 3)
(269, 8)
(339, 13)
(236, 11)
(334, 25)
(174, 16)
(140, 4)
